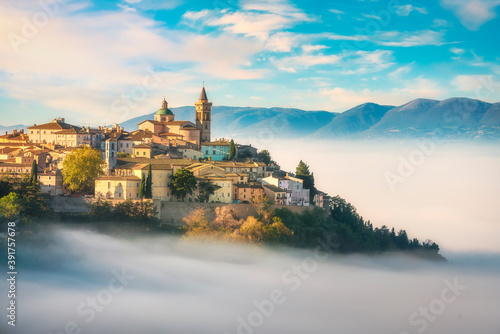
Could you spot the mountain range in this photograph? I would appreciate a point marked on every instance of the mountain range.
(462, 118)
(451, 118)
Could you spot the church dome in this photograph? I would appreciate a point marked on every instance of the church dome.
(164, 112)
(164, 109)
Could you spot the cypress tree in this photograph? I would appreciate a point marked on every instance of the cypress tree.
(142, 186)
(34, 173)
(232, 150)
(149, 184)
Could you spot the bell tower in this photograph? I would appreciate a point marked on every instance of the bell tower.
(203, 116)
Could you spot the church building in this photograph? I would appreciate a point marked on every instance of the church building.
(165, 125)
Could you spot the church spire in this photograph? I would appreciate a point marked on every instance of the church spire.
(203, 95)
(164, 104)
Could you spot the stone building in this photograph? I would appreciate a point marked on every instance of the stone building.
(165, 126)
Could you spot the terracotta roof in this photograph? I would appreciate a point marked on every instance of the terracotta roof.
(170, 134)
(151, 121)
(52, 126)
(142, 146)
(246, 185)
(8, 150)
(216, 143)
(152, 161)
(70, 131)
(177, 123)
(274, 188)
(118, 178)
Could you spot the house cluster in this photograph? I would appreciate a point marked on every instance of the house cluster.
(165, 144)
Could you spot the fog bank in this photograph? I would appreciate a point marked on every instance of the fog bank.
(75, 280)
(444, 191)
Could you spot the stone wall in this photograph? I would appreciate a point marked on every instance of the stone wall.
(170, 213)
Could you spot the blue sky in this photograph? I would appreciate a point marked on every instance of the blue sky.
(98, 62)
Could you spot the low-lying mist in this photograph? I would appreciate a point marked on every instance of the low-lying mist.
(444, 191)
(73, 281)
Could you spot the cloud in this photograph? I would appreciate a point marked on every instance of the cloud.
(107, 55)
(336, 11)
(257, 19)
(310, 48)
(410, 39)
(367, 61)
(145, 5)
(484, 87)
(305, 61)
(370, 16)
(407, 90)
(397, 74)
(407, 9)
(437, 23)
(472, 13)
(457, 51)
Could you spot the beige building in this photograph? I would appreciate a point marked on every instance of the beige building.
(58, 132)
(254, 170)
(117, 187)
(142, 151)
(51, 182)
(277, 195)
(250, 193)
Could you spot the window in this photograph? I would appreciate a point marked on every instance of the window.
(160, 174)
(136, 194)
(129, 195)
(127, 145)
(109, 185)
(214, 151)
(228, 195)
(222, 194)
(144, 153)
(206, 152)
(121, 144)
(137, 184)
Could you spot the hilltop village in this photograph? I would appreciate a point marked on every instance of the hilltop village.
(162, 145)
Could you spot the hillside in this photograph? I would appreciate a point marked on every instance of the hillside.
(457, 118)
(452, 118)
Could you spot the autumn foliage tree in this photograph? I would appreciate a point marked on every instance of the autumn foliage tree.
(80, 169)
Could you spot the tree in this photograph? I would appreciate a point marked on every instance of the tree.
(148, 192)
(264, 156)
(232, 150)
(206, 188)
(80, 169)
(123, 155)
(34, 173)
(182, 183)
(10, 205)
(302, 172)
(142, 186)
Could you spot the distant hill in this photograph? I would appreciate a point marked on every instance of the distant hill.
(451, 118)
(12, 127)
(353, 121)
(249, 122)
